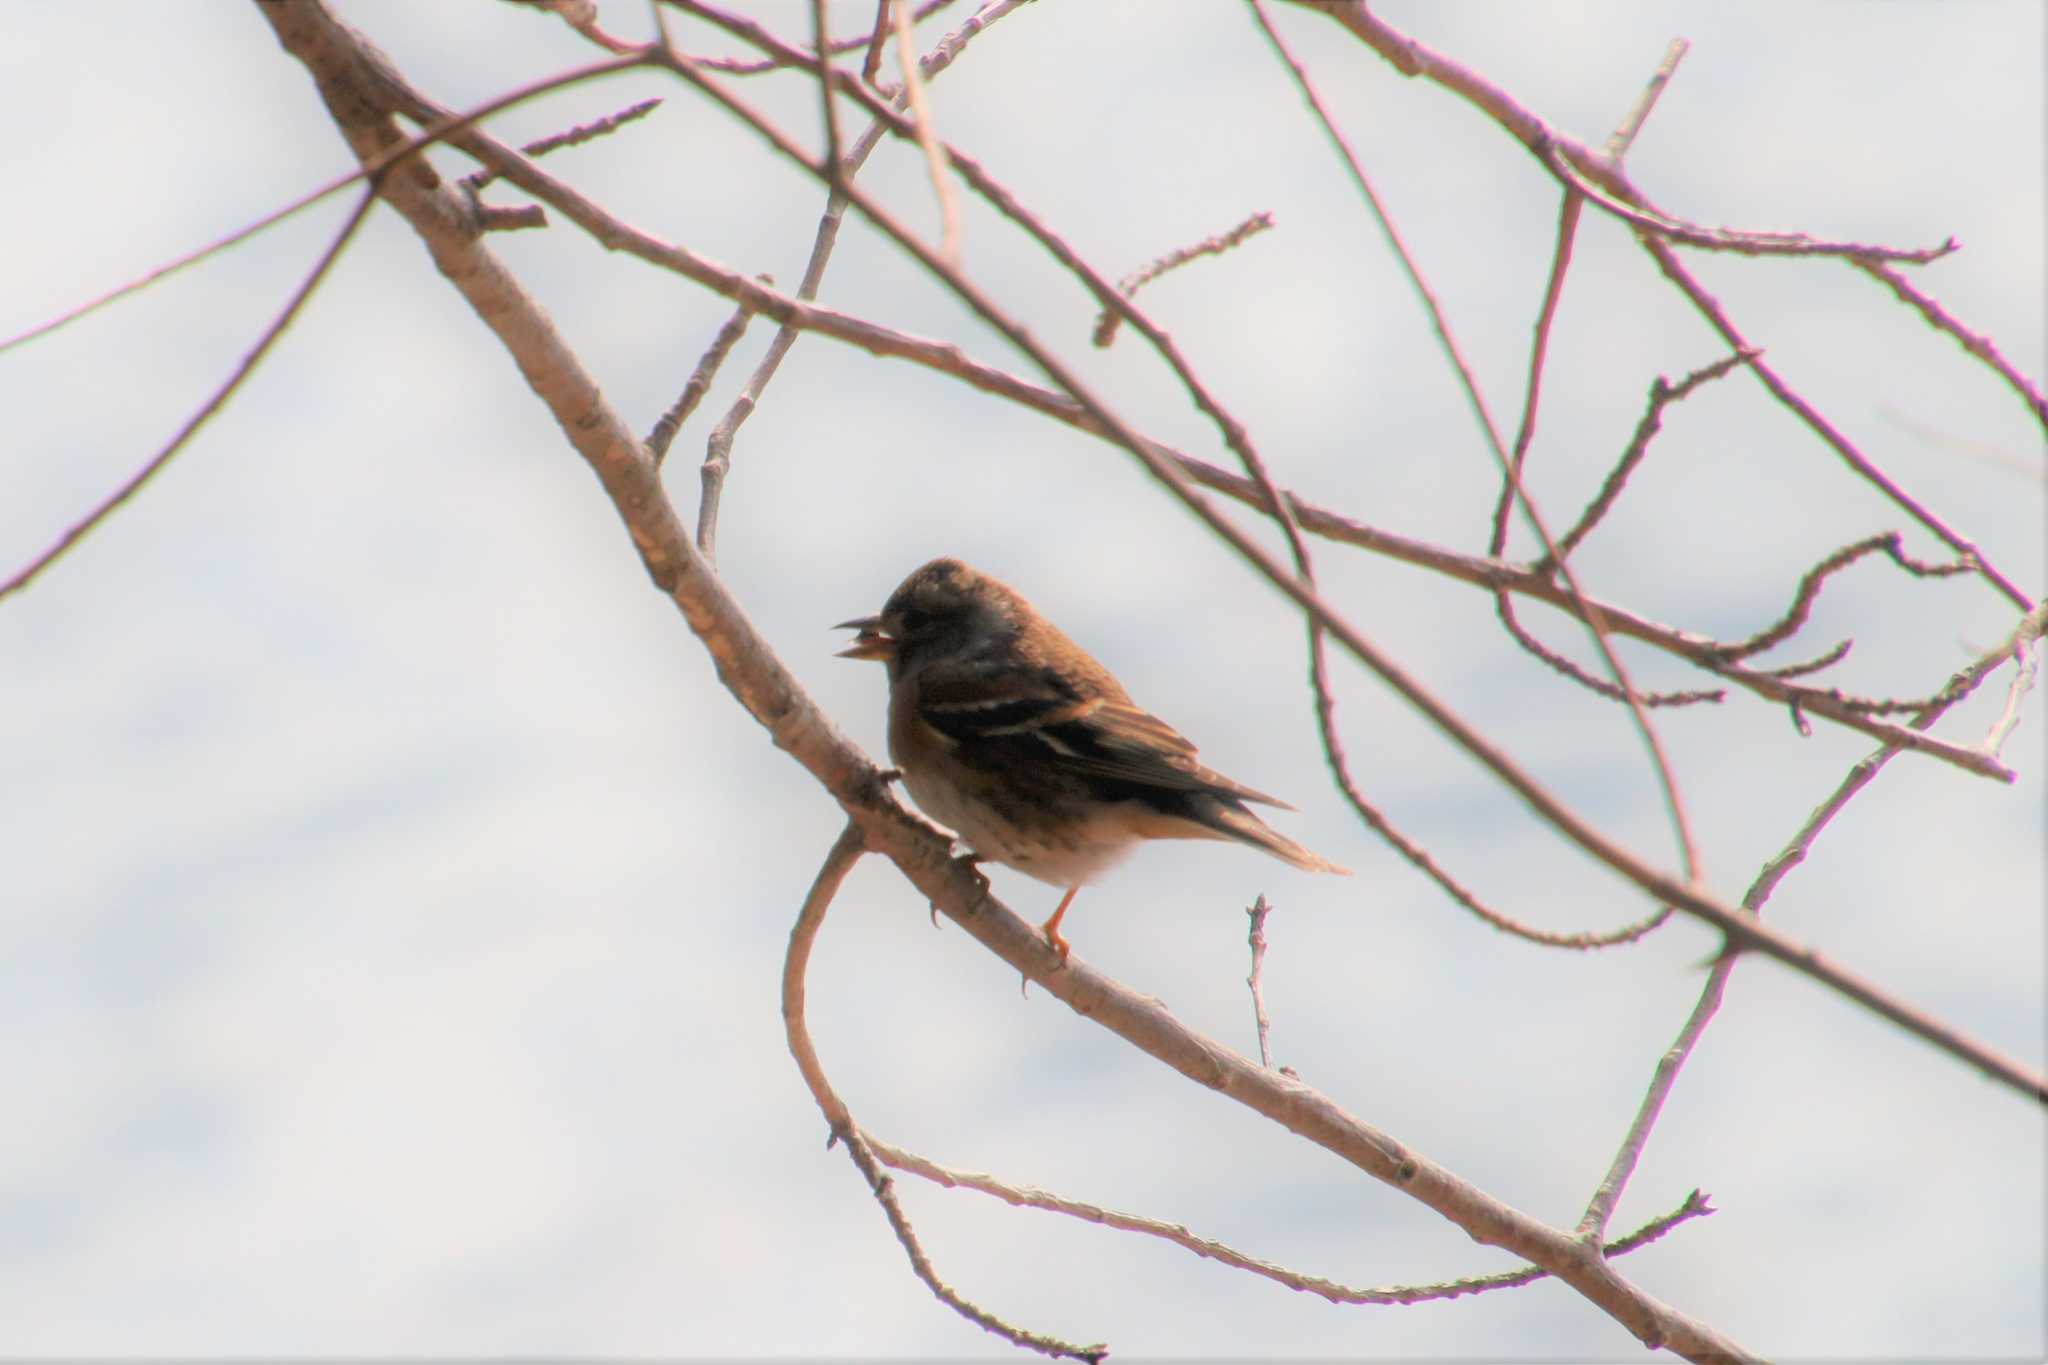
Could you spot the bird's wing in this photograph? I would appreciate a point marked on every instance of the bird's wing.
(1089, 736)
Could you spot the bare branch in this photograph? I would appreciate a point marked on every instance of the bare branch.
(1810, 585)
(663, 433)
(79, 529)
(822, 56)
(1258, 911)
(871, 65)
(1027, 1197)
(927, 138)
(2023, 643)
(1504, 609)
(1624, 135)
(845, 852)
(1129, 285)
(1977, 344)
(1732, 239)
(1553, 290)
(476, 181)
(1663, 393)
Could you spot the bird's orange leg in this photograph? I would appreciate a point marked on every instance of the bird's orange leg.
(1051, 928)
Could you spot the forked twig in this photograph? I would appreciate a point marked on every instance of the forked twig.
(1663, 393)
(1027, 1197)
(1812, 581)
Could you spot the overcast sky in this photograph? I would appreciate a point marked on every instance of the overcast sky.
(392, 902)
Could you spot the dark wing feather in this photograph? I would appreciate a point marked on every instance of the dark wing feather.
(1038, 716)
(1123, 744)
(968, 704)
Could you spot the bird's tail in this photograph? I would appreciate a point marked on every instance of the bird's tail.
(1231, 820)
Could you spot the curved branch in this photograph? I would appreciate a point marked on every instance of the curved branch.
(845, 852)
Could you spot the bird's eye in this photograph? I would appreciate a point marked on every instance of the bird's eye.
(916, 618)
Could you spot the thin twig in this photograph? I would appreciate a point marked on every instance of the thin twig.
(2023, 642)
(1813, 665)
(1977, 344)
(669, 423)
(1663, 393)
(884, 1189)
(821, 44)
(1624, 135)
(1422, 860)
(1539, 350)
(927, 138)
(134, 483)
(871, 65)
(1731, 239)
(845, 852)
(477, 180)
(1129, 285)
(1258, 910)
(1503, 607)
(1810, 585)
(1028, 1197)
(447, 126)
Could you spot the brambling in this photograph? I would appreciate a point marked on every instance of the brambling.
(1013, 735)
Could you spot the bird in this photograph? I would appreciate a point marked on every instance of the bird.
(1029, 749)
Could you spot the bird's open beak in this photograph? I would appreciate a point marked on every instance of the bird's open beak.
(870, 643)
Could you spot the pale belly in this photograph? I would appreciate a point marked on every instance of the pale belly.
(1065, 853)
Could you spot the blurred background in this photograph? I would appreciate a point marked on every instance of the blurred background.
(392, 902)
